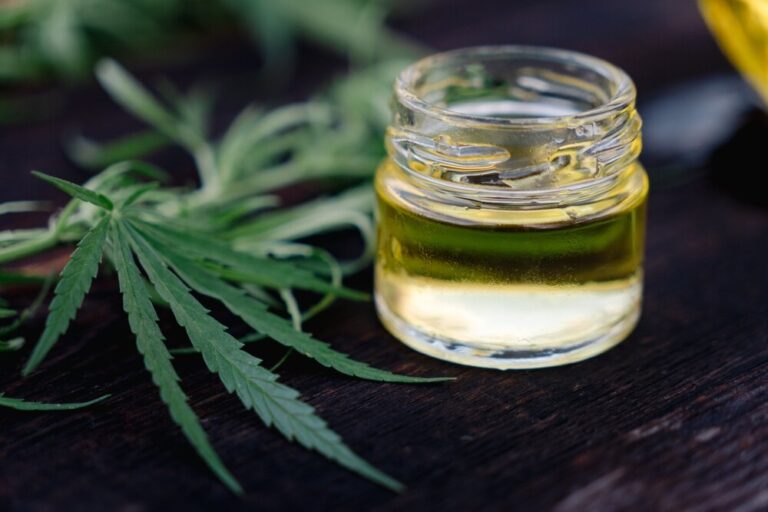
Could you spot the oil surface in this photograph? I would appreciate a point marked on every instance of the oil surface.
(483, 294)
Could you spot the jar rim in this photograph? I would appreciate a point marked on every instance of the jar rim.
(621, 98)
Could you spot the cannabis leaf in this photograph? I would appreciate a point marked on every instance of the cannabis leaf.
(22, 405)
(149, 340)
(228, 239)
(242, 373)
(246, 267)
(12, 344)
(255, 314)
(76, 191)
(131, 94)
(46, 38)
(75, 281)
(97, 156)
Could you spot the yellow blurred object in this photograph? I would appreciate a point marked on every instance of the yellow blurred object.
(741, 30)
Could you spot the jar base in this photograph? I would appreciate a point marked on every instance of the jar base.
(506, 358)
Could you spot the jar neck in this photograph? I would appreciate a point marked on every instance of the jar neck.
(510, 125)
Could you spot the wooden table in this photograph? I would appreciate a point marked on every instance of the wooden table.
(675, 418)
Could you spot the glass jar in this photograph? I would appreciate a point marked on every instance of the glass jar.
(511, 208)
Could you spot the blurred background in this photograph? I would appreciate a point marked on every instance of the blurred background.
(275, 51)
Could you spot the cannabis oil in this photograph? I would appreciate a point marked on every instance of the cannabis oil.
(511, 210)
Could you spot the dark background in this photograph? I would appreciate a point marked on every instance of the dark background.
(675, 418)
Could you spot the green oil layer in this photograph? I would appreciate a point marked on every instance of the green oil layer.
(602, 250)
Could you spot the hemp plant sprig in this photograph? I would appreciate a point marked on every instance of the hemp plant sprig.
(224, 240)
(25, 405)
(40, 39)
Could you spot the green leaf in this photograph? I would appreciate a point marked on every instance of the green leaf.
(60, 40)
(344, 26)
(7, 313)
(92, 155)
(350, 208)
(225, 214)
(23, 206)
(75, 281)
(138, 192)
(142, 319)
(76, 191)
(287, 272)
(11, 345)
(246, 267)
(255, 314)
(248, 338)
(257, 387)
(247, 137)
(192, 109)
(118, 170)
(22, 405)
(129, 93)
(273, 34)
(15, 236)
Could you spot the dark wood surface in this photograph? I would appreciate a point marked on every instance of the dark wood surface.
(675, 418)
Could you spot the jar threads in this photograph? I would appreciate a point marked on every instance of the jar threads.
(511, 208)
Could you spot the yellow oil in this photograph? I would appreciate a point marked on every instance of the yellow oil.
(741, 29)
(510, 290)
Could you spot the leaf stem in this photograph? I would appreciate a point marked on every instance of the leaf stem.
(205, 160)
(46, 241)
(29, 247)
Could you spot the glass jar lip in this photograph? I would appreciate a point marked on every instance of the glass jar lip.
(623, 96)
